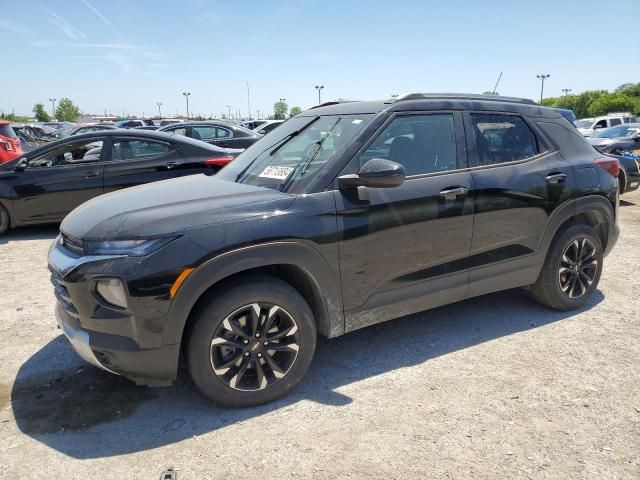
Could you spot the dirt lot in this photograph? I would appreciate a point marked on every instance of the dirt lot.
(494, 387)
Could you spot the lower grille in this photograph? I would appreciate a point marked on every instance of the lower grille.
(62, 295)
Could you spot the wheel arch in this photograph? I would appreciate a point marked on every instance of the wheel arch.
(298, 264)
(593, 210)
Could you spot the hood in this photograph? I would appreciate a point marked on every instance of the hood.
(171, 206)
(586, 132)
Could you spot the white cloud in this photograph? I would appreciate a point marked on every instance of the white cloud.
(66, 28)
(102, 17)
(13, 27)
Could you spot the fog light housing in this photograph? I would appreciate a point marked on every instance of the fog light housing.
(111, 290)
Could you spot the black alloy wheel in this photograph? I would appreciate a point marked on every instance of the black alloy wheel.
(255, 346)
(578, 267)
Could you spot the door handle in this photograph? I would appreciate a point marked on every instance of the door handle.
(453, 193)
(171, 165)
(556, 178)
(91, 174)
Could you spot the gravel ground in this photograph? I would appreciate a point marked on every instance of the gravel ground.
(493, 387)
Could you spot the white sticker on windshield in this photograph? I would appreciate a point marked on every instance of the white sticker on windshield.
(279, 173)
(357, 121)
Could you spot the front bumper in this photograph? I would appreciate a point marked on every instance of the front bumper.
(112, 339)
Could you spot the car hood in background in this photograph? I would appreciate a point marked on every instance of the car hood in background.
(170, 206)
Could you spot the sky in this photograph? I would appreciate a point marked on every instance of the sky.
(124, 57)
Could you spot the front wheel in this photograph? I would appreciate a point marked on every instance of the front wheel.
(572, 269)
(252, 342)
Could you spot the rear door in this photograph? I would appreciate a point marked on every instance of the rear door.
(136, 160)
(518, 181)
(60, 179)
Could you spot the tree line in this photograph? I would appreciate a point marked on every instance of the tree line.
(592, 103)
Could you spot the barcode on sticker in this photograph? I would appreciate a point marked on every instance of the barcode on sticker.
(279, 173)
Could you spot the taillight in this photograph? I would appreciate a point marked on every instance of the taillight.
(218, 161)
(611, 165)
(7, 146)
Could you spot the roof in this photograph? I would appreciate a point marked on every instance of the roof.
(129, 132)
(435, 101)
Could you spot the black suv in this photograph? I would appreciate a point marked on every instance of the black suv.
(347, 215)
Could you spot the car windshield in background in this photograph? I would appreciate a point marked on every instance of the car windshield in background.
(617, 132)
(7, 131)
(583, 123)
(290, 156)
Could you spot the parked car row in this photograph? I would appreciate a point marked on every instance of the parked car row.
(347, 215)
(44, 185)
(588, 126)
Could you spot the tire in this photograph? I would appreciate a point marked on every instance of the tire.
(622, 182)
(554, 285)
(229, 359)
(5, 220)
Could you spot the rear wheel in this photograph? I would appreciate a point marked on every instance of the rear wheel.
(572, 269)
(251, 343)
(5, 221)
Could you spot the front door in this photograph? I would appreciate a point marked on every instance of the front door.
(60, 179)
(405, 249)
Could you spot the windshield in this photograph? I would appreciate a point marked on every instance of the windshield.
(583, 123)
(291, 155)
(616, 132)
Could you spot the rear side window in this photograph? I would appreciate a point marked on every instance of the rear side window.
(502, 138)
(134, 149)
(7, 131)
(615, 121)
(222, 133)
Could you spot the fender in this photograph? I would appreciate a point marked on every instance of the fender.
(305, 257)
(589, 203)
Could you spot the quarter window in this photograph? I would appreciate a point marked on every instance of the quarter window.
(502, 138)
(421, 143)
(134, 149)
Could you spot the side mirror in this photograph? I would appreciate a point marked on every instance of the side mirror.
(376, 173)
(22, 165)
(597, 127)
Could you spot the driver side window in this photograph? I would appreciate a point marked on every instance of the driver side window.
(421, 143)
(69, 154)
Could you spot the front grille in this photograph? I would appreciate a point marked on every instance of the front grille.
(72, 244)
(62, 294)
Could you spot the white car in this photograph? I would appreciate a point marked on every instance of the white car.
(586, 126)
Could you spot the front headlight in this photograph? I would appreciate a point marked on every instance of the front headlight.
(133, 248)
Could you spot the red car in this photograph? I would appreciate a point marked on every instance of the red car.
(10, 147)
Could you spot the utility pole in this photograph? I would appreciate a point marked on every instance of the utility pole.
(186, 95)
(229, 107)
(53, 107)
(542, 78)
(319, 88)
(159, 104)
(566, 92)
(248, 101)
(258, 114)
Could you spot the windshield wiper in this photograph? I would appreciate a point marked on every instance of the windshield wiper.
(308, 158)
(279, 144)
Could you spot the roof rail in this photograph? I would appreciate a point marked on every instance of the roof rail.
(326, 104)
(461, 96)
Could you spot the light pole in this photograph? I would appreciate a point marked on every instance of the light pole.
(542, 78)
(159, 111)
(258, 114)
(53, 107)
(319, 88)
(186, 95)
(229, 108)
(566, 92)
